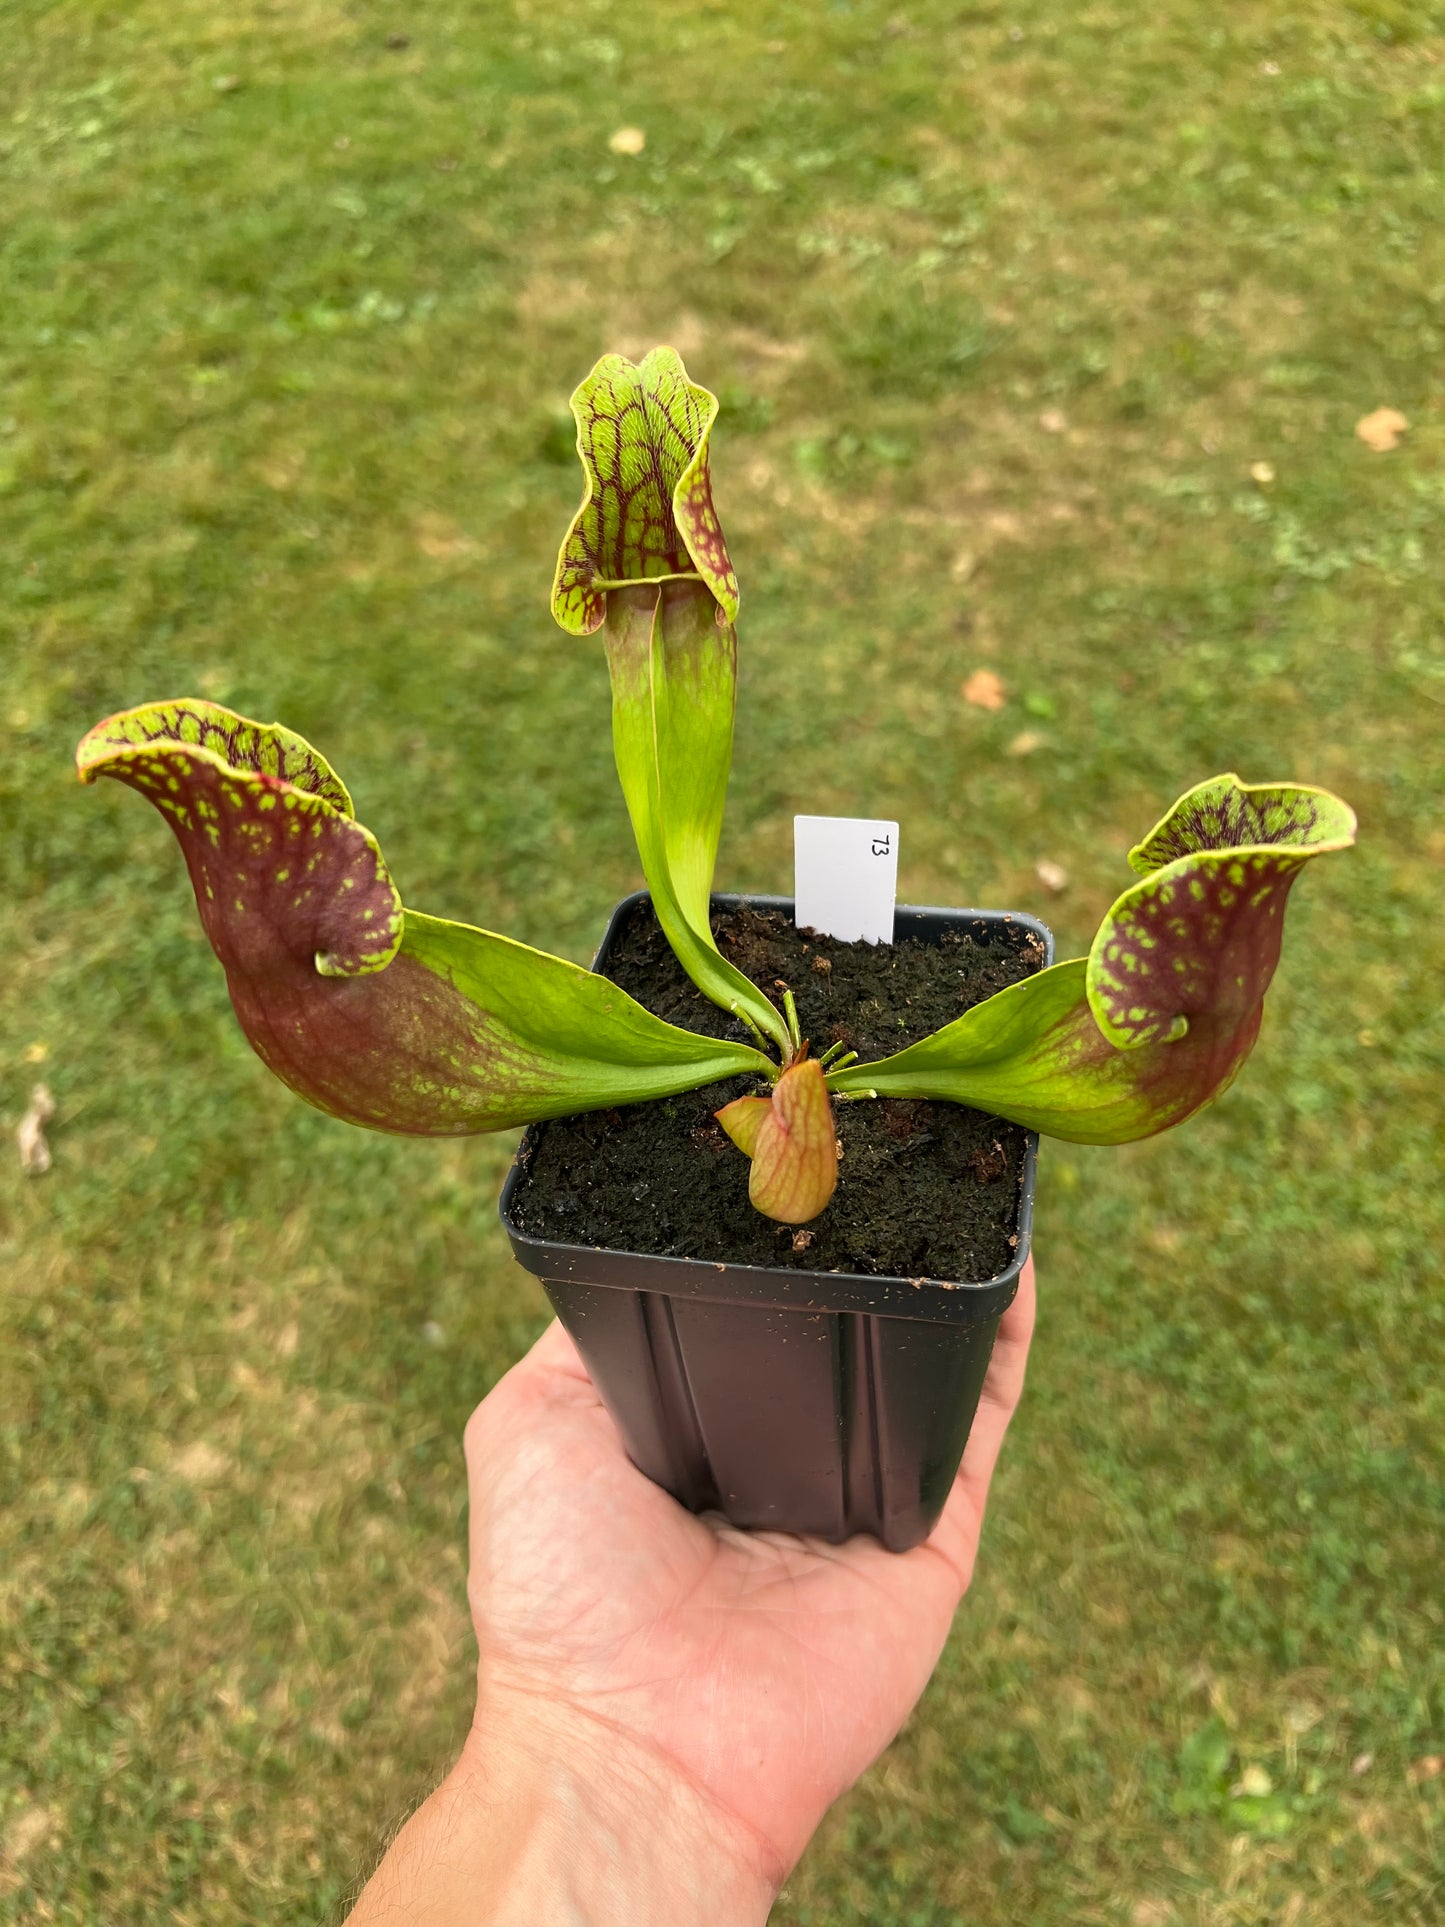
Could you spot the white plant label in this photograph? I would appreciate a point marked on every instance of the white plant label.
(845, 871)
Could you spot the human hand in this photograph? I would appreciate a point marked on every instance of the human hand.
(686, 1699)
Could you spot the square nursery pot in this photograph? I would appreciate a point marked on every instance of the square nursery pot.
(800, 1401)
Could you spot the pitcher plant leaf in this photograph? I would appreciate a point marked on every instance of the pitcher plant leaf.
(1160, 1016)
(377, 1015)
(792, 1141)
(645, 561)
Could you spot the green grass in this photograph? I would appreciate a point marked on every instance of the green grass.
(282, 365)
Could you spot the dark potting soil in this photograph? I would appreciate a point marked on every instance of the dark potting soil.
(925, 1190)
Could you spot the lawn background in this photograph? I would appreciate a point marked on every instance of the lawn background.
(1005, 303)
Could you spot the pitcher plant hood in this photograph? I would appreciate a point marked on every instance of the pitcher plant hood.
(647, 512)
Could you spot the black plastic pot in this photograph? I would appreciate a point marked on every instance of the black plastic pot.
(802, 1401)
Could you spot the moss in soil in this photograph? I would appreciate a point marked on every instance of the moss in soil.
(924, 1189)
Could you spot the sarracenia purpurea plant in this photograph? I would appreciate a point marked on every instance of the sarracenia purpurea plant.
(386, 1017)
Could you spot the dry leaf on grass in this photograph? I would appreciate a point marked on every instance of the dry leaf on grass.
(985, 690)
(200, 1463)
(1382, 429)
(1430, 1767)
(628, 140)
(1053, 876)
(35, 1159)
(1025, 743)
(441, 539)
(1253, 1784)
(1151, 1913)
(27, 1830)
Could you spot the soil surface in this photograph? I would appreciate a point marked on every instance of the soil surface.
(925, 1190)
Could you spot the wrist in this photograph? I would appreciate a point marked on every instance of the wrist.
(607, 1832)
(550, 1816)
